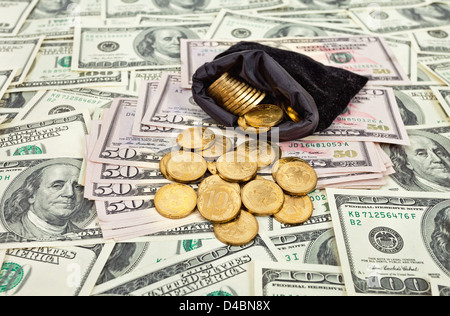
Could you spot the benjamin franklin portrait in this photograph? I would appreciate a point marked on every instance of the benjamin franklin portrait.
(46, 202)
(432, 14)
(48, 9)
(294, 30)
(424, 165)
(436, 234)
(161, 45)
(180, 6)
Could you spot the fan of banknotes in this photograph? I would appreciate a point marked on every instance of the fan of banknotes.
(94, 95)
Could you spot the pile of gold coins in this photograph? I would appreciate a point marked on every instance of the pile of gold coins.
(243, 100)
(233, 194)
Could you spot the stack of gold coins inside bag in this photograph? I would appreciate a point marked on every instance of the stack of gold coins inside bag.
(229, 192)
(241, 99)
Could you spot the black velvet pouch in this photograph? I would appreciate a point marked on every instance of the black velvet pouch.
(317, 92)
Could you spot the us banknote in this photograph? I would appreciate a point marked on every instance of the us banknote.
(281, 279)
(432, 41)
(29, 218)
(394, 20)
(118, 9)
(52, 70)
(13, 14)
(369, 56)
(443, 95)
(6, 77)
(425, 164)
(440, 68)
(372, 115)
(215, 269)
(304, 5)
(390, 243)
(419, 105)
(117, 145)
(59, 135)
(19, 53)
(71, 271)
(128, 48)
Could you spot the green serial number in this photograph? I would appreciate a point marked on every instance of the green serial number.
(381, 214)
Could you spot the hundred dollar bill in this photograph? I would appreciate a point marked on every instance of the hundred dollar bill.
(127, 257)
(128, 48)
(61, 135)
(440, 68)
(13, 14)
(335, 156)
(310, 243)
(440, 288)
(302, 5)
(372, 115)
(281, 279)
(33, 216)
(118, 9)
(117, 145)
(443, 95)
(51, 102)
(216, 269)
(393, 20)
(369, 56)
(390, 243)
(19, 53)
(432, 41)
(418, 105)
(6, 77)
(172, 106)
(425, 164)
(52, 70)
(65, 271)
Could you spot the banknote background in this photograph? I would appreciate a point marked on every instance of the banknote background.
(97, 90)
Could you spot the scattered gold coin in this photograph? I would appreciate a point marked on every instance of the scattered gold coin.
(296, 177)
(281, 162)
(295, 210)
(234, 167)
(175, 200)
(262, 197)
(221, 146)
(163, 166)
(250, 129)
(196, 138)
(186, 167)
(216, 180)
(219, 203)
(264, 115)
(238, 232)
(265, 153)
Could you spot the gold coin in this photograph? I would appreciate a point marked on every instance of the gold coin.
(236, 168)
(250, 129)
(254, 104)
(175, 200)
(295, 210)
(231, 92)
(216, 180)
(296, 177)
(265, 153)
(219, 203)
(238, 232)
(221, 146)
(264, 115)
(186, 167)
(238, 95)
(241, 99)
(281, 162)
(262, 197)
(291, 112)
(163, 166)
(221, 92)
(196, 138)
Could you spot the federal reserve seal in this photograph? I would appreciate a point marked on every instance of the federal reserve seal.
(386, 240)
(241, 32)
(108, 46)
